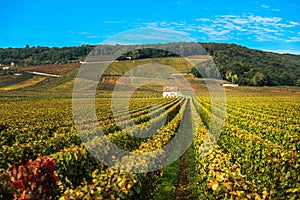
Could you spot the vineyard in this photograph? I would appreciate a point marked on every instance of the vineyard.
(256, 156)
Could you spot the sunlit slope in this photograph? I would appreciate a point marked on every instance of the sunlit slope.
(32, 82)
(29, 79)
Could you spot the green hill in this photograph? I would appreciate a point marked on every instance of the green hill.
(255, 67)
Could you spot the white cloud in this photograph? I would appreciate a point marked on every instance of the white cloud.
(231, 26)
(203, 19)
(215, 34)
(93, 36)
(268, 8)
(171, 31)
(276, 9)
(226, 27)
(84, 33)
(221, 32)
(189, 29)
(264, 20)
(151, 24)
(244, 30)
(206, 29)
(259, 28)
(293, 39)
(285, 25)
(278, 34)
(294, 23)
(270, 30)
(178, 24)
(240, 21)
(265, 6)
(164, 24)
(150, 35)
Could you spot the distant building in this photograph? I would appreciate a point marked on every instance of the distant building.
(170, 91)
(230, 85)
(6, 68)
(12, 64)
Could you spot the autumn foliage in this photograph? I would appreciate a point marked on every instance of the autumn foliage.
(35, 180)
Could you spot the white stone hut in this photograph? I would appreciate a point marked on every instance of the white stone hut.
(170, 91)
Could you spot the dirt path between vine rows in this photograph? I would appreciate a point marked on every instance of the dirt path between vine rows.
(182, 191)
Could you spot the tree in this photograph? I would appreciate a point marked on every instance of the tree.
(195, 72)
(285, 79)
(259, 79)
(234, 79)
(297, 83)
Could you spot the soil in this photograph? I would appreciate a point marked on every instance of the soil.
(182, 191)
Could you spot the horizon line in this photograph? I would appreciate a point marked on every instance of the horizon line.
(277, 51)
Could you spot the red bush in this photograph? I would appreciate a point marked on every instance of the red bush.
(35, 180)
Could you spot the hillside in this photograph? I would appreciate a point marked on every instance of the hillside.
(236, 64)
(255, 67)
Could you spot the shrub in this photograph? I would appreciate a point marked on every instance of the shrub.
(35, 180)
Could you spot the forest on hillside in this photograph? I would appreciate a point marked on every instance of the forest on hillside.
(236, 64)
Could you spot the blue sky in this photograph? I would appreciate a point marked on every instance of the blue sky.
(260, 24)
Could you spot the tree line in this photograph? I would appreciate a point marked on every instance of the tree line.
(235, 63)
(254, 67)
